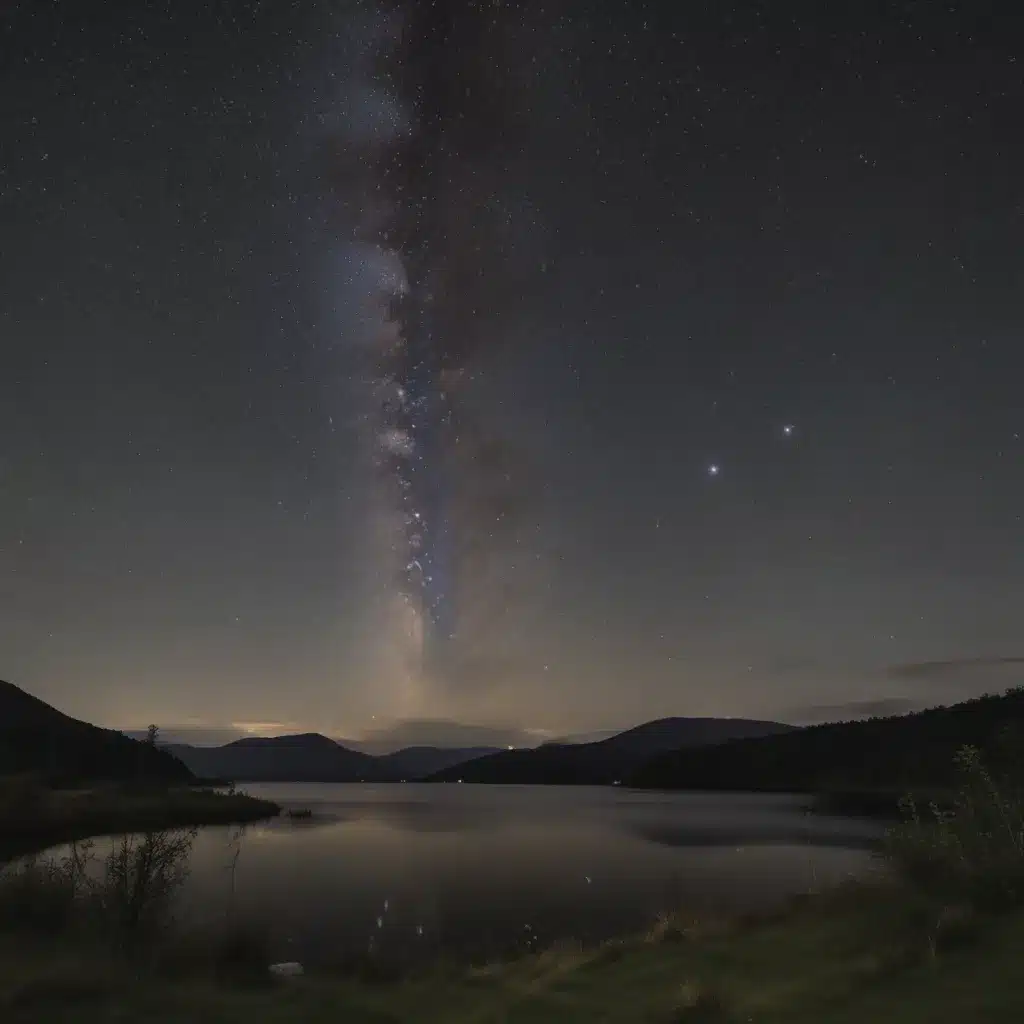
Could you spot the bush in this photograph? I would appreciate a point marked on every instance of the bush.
(972, 853)
(127, 903)
(134, 898)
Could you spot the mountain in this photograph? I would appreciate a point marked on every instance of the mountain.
(419, 762)
(311, 757)
(605, 761)
(38, 739)
(895, 753)
(308, 757)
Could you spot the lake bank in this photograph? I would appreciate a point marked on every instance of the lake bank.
(34, 818)
(859, 952)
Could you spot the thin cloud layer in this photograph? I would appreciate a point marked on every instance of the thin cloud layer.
(193, 735)
(950, 670)
(813, 714)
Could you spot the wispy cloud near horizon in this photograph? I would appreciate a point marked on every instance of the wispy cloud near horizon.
(950, 669)
(882, 707)
(192, 735)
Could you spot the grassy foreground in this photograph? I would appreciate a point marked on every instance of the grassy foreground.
(862, 953)
(33, 816)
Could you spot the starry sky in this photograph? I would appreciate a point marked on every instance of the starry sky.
(737, 311)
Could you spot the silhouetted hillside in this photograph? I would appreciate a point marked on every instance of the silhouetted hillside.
(40, 740)
(311, 757)
(308, 757)
(894, 753)
(413, 763)
(605, 761)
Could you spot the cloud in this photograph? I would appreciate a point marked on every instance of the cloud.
(881, 707)
(587, 737)
(267, 728)
(934, 682)
(216, 734)
(194, 735)
(950, 670)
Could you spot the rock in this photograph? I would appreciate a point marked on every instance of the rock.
(291, 969)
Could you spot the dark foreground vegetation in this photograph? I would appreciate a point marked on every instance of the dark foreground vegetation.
(936, 937)
(863, 766)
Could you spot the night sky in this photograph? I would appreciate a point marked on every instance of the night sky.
(735, 294)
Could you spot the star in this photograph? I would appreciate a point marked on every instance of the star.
(788, 430)
(714, 469)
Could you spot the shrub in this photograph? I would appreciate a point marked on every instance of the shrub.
(133, 899)
(126, 903)
(972, 852)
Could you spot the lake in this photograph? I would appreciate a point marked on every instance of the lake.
(410, 867)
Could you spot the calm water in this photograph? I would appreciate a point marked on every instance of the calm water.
(456, 866)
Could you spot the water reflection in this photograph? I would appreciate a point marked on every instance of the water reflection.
(457, 866)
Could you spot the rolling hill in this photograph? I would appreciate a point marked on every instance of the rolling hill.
(312, 757)
(891, 754)
(307, 757)
(418, 762)
(37, 739)
(605, 761)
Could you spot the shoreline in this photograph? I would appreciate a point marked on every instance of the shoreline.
(39, 817)
(52, 817)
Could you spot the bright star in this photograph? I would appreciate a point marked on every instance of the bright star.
(788, 430)
(713, 469)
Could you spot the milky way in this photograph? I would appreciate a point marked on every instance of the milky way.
(433, 202)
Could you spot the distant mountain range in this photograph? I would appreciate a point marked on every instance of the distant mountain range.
(40, 740)
(898, 752)
(310, 757)
(397, 735)
(37, 738)
(605, 761)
